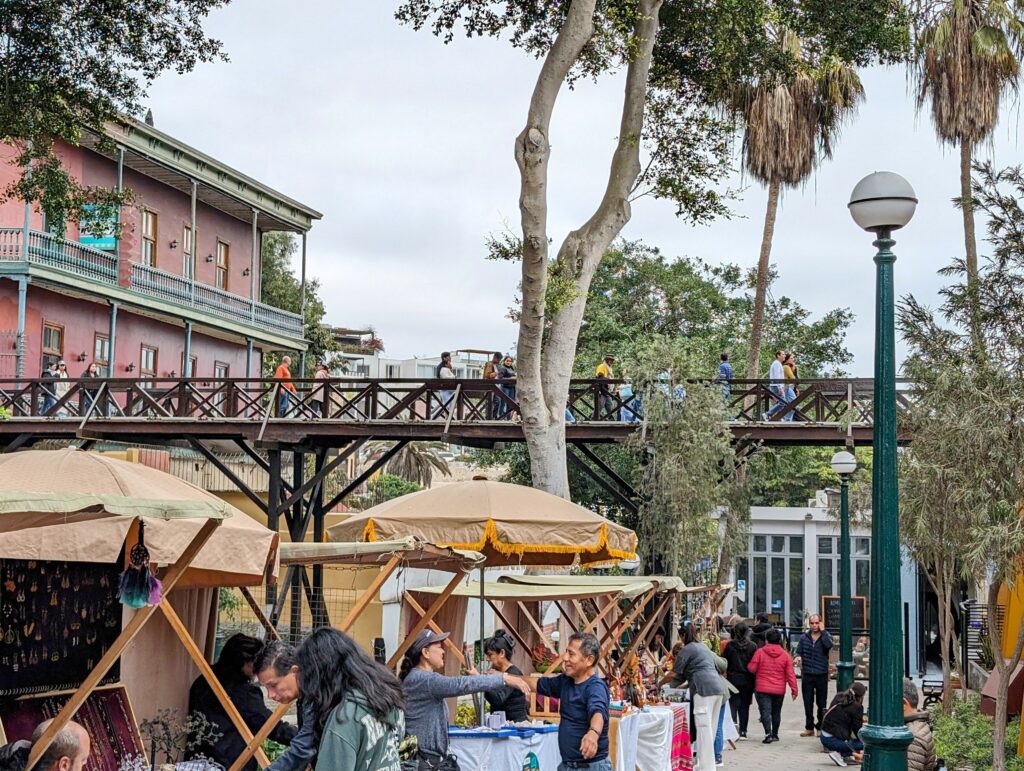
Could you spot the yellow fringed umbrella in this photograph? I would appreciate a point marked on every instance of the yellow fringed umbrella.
(508, 524)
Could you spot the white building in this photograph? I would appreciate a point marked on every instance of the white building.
(468, 364)
(792, 561)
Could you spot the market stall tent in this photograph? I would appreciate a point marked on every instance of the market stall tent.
(73, 506)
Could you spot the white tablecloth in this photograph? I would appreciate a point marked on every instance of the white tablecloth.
(645, 741)
(625, 746)
(511, 754)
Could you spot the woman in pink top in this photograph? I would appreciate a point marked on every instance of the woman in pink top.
(773, 671)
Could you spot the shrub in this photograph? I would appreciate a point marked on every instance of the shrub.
(964, 738)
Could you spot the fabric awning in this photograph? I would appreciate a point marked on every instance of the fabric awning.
(661, 583)
(414, 553)
(530, 592)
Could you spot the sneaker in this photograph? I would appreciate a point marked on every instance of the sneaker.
(743, 734)
(764, 417)
(767, 740)
(775, 738)
(837, 758)
(807, 732)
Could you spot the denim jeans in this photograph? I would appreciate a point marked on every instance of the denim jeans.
(284, 399)
(719, 736)
(845, 747)
(790, 397)
(594, 765)
(780, 395)
(770, 707)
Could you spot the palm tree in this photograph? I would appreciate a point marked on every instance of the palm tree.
(790, 123)
(967, 61)
(416, 462)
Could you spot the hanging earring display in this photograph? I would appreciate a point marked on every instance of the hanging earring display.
(139, 587)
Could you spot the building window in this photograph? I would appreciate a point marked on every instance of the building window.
(149, 231)
(222, 265)
(147, 361)
(774, 575)
(101, 350)
(825, 545)
(188, 254)
(193, 366)
(220, 370)
(53, 343)
(393, 371)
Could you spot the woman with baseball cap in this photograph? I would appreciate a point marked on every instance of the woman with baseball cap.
(426, 714)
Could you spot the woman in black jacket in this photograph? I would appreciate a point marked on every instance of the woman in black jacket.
(738, 653)
(841, 725)
(498, 650)
(234, 669)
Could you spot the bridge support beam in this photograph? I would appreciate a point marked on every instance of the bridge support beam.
(623, 499)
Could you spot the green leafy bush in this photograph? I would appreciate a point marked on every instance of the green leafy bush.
(964, 738)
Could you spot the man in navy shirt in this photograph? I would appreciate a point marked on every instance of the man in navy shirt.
(582, 704)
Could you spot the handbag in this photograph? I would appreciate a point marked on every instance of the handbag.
(431, 761)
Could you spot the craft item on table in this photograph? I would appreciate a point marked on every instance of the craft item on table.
(543, 657)
(106, 715)
(57, 619)
(139, 587)
(682, 751)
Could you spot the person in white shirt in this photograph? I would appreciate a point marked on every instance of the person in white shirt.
(777, 376)
(445, 371)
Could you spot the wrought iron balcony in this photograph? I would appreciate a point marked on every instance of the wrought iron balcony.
(74, 258)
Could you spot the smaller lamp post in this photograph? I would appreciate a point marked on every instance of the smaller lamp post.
(844, 464)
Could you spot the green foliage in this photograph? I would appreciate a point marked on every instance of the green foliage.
(689, 460)
(388, 486)
(228, 602)
(281, 288)
(273, 750)
(964, 739)
(66, 69)
(168, 734)
(5, 414)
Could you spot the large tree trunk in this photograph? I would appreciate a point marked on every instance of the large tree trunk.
(761, 288)
(545, 366)
(939, 579)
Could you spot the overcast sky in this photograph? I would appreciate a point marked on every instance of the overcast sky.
(405, 145)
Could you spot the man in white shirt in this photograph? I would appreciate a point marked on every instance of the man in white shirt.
(777, 376)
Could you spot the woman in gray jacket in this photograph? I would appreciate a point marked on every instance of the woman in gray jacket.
(426, 714)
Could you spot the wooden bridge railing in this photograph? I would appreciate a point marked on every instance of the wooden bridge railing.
(820, 401)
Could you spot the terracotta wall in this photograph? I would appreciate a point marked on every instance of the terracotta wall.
(82, 319)
(173, 209)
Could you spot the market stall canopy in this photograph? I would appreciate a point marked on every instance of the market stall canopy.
(509, 524)
(661, 583)
(527, 592)
(79, 506)
(414, 553)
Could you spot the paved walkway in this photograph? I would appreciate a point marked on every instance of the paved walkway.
(791, 751)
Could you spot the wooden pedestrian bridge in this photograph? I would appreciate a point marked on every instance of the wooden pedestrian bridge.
(331, 413)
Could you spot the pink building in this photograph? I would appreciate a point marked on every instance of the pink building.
(175, 294)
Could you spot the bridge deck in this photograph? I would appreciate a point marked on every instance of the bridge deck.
(328, 413)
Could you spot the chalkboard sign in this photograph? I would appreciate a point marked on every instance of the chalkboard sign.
(831, 607)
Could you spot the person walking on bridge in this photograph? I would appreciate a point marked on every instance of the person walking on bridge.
(777, 385)
(287, 388)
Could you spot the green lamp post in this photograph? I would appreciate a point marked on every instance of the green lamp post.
(844, 464)
(881, 203)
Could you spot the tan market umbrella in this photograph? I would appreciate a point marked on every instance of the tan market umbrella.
(79, 506)
(509, 524)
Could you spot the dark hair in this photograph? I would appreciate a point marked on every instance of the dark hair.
(410, 661)
(725, 357)
(239, 650)
(856, 693)
(689, 633)
(772, 637)
(761, 618)
(279, 655)
(496, 354)
(589, 645)
(445, 355)
(501, 642)
(332, 666)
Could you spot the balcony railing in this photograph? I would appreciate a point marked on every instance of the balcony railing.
(47, 249)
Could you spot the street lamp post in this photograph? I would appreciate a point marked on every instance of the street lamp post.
(881, 203)
(844, 464)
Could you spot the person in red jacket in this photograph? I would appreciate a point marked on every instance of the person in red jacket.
(773, 671)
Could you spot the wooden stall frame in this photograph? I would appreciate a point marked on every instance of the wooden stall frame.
(260, 615)
(128, 633)
(420, 625)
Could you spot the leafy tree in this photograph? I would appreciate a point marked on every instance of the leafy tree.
(282, 289)
(976, 463)
(67, 68)
(388, 486)
(967, 61)
(698, 48)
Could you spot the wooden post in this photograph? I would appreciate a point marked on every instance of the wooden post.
(511, 628)
(433, 625)
(260, 737)
(536, 627)
(258, 612)
(131, 629)
(649, 626)
(420, 625)
(368, 595)
(620, 625)
(207, 671)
